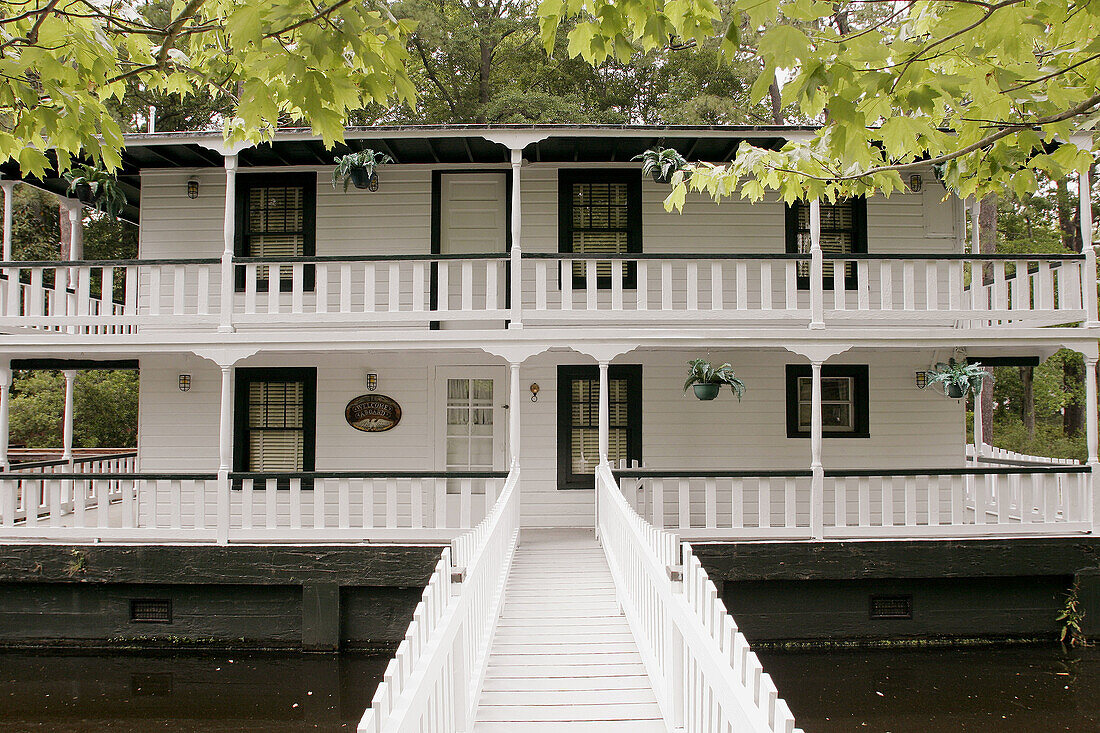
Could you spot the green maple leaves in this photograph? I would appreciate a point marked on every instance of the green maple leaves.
(995, 93)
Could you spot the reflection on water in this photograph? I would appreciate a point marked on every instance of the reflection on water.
(1032, 689)
(199, 693)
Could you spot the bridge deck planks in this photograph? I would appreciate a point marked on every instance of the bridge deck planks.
(563, 658)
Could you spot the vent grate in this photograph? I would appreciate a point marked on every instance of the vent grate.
(891, 607)
(150, 611)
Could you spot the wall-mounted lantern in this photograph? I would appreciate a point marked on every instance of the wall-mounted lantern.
(921, 379)
(916, 183)
(534, 391)
(193, 189)
(185, 382)
(372, 381)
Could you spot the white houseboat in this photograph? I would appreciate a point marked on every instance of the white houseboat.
(487, 286)
(322, 366)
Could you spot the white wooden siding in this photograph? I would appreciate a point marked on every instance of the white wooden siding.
(909, 428)
(397, 217)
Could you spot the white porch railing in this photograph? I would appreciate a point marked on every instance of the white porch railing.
(706, 677)
(896, 288)
(434, 681)
(117, 296)
(959, 502)
(992, 454)
(102, 296)
(397, 505)
(655, 287)
(394, 506)
(1038, 289)
(373, 289)
(114, 462)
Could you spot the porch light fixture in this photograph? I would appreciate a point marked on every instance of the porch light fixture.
(185, 382)
(534, 391)
(372, 381)
(916, 183)
(922, 379)
(193, 189)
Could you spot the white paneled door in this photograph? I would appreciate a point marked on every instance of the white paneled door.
(473, 220)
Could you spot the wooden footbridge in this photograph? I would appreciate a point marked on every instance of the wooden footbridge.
(560, 631)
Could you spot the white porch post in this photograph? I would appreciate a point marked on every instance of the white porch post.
(817, 481)
(228, 232)
(75, 210)
(1091, 433)
(1089, 280)
(9, 249)
(513, 415)
(5, 412)
(9, 207)
(605, 413)
(67, 425)
(979, 428)
(817, 268)
(225, 453)
(76, 228)
(515, 261)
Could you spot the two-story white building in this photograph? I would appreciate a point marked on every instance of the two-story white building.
(465, 315)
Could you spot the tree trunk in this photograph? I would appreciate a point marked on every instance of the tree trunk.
(987, 244)
(1068, 218)
(1073, 376)
(841, 18)
(66, 245)
(1027, 412)
(776, 97)
(485, 67)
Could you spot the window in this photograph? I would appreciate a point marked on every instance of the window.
(600, 212)
(844, 401)
(276, 423)
(843, 231)
(276, 218)
(579, 416)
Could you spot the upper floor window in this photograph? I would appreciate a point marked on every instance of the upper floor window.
(843, 231)
(600, 212)
(276, 218)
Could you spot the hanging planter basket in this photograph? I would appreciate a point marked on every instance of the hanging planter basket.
(706, 380)
(363, 179)
(359, 168)
(706, 391)
(958, 378)
(83, 193)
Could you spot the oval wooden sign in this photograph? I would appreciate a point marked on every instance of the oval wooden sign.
(373, 413)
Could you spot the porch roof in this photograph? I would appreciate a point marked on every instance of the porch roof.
(453, 144)
(456, 144)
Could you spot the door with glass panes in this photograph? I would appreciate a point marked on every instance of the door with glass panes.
(472, 419)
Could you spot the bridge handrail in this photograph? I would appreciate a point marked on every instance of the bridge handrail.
(995, 455)
(701, 666)
(434, 680)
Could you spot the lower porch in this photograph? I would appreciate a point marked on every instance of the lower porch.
(264, 450)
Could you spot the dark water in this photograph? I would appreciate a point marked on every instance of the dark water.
(1020, 689)
(1032, 689)
(198, 693)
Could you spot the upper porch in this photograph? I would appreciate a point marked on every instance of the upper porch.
(502, 227)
